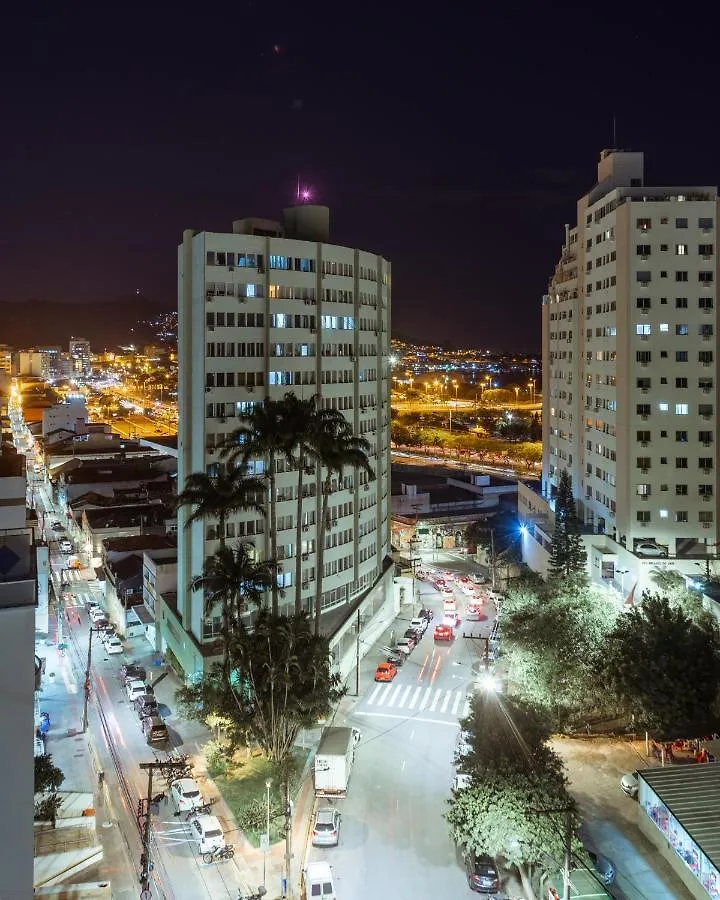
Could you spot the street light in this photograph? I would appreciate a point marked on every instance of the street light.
(531, 385)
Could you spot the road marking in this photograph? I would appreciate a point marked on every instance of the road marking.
(379, 715)
(456, 704)
(435, 700)
(426, 697)
(383, 697)
(446, 700)
(405, 695)
(371, 698)
(415, 697)
(402, 767)
(396, 691)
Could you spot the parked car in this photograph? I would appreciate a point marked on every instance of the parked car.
(629, 784)
(477, 578)
(402, 647)
(147, 705)
(96, 613)
(91, 603)
(482, 874)
(650, 548)
(412, 636)
(443, 633)
(385, 672)
(113, 644)
(132, 671)
(396, 659)
(65, 546)
(207, 832)
(155, 730)
(326, 827)
(56, 526)
(102, 625)
(136, 688)
(406, 643)
(419, 624)
(185, 795)
(426, 614)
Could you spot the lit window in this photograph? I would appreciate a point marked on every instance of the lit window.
(643, 329)
(681, 249)
(249, 290)
(663, 407)
(681, 409)
(664, 327)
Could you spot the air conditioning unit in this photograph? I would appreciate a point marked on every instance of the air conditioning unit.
(643, 524)
(643, 443)
(644, 311)
(306, 585)
(644, 471)
(251, 390)
(306, 527)
(707, 416)
(223, 419)
(706, 390)
(644, 337)
(707, 524)
(645, 390)
(306, 556)
(352, 490)
(644, 418)
(210, 327)
(231, 268)
(242, 299)
(209, 297)
(208, 389)
(313, 331)
(644, 496)
(707, 497)
(366, 487)
(707, 471)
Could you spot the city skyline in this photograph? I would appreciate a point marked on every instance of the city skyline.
(100, 141)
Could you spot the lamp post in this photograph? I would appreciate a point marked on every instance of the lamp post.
(268, 783)
(531, 385)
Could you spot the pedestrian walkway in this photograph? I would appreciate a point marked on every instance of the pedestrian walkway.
(418, 701)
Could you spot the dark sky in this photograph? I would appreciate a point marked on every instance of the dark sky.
(454, 143)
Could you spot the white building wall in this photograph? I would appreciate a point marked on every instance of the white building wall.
(629, 362)
(64, 415)
(322, 332)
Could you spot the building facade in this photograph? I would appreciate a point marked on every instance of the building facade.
(79, 352)
(630, 385)
(265, 310)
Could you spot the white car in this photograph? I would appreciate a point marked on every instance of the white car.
(185, 795)
(96, 614)
(629, 784)
(208, 833)
(136, 688)
(650, 548)
(113, 644)
(477, 578)
(65, 546)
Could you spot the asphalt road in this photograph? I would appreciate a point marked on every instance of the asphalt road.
(393, 838)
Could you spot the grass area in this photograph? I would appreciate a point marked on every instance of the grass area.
(243, 789)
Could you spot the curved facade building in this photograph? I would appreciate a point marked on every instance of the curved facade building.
(267, 309)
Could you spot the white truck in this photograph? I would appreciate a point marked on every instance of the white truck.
(334, 761)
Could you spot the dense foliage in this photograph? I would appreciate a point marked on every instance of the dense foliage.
(568, 559)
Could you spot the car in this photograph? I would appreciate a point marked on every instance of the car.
(461, 781)
(412, 636)
(629, 784)
(426, 614)
(91, 603)
(449, 605)
(419, 624)
(132, 671)
(185, 795)
(396, 659)
(650, 548)
(402, 647)
(207, 832)
(65, 546)
(155, 730)
(326, 827)
(74, 563)
(443, 633)
(147, 705)
(482, 873)
(452, 620)
(135, 687)
(474, 614)
(603, 866)
(385, 672)
(56, 526)
(477, 578)
(96, 613)
(406, 643)
(113, 644)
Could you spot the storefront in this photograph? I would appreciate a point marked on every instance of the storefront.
(680, 813)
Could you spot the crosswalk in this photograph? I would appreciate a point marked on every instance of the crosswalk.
(418, 700)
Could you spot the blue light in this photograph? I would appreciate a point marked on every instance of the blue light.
(523, 530)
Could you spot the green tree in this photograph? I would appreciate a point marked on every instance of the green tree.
(552, 637)
(673, 585)
(336, 449)
(568, 559)
(219, 496)
(664, 668)
(47, 775)
(233, 580)
(264, 432)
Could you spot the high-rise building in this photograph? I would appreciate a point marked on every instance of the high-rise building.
(265, 310)
(630, 384)
(79, 351)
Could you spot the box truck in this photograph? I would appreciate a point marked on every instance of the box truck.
(334, 761)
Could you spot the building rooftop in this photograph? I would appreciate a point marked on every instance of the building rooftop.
(12, 464)
(135, 542)
(126, 516)
(126, 568)
(692, 794)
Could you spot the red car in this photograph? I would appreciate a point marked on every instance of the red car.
(385, 672)
(443, 633)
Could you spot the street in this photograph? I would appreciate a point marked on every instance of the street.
(393, 836)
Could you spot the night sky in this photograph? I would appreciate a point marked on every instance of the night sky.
(454, 144)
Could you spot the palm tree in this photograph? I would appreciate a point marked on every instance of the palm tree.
(232, 578)
(218, 496)
(306, 421)
(337, 448)
(263, 432)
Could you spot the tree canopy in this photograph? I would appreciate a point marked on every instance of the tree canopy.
(568, 559)
(664, 668)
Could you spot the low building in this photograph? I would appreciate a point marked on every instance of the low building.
(679, 811)
(121, 521)
(159, 577)
(70, 414)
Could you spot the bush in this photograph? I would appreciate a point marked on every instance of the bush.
(216, 756)
(47, 775)
(46, 809)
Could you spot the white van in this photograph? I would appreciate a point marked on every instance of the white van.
(207, 832)
(317, 882)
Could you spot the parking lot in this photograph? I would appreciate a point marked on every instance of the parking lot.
(594, 767)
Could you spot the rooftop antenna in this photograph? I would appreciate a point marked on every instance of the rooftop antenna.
(614, 141)
(298, 189)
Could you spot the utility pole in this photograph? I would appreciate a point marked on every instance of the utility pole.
(567, 811)
(357, 654)
(492, 556)
(145, 805)
(288, 892)
(87, 681)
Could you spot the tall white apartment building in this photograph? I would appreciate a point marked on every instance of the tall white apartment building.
(630, 382)
(264, 310)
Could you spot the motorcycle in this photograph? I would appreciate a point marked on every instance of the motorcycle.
(226, 852)
(261, 891)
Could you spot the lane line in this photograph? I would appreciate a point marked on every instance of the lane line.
(456, 704)
(378, 715)
(415, 697)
